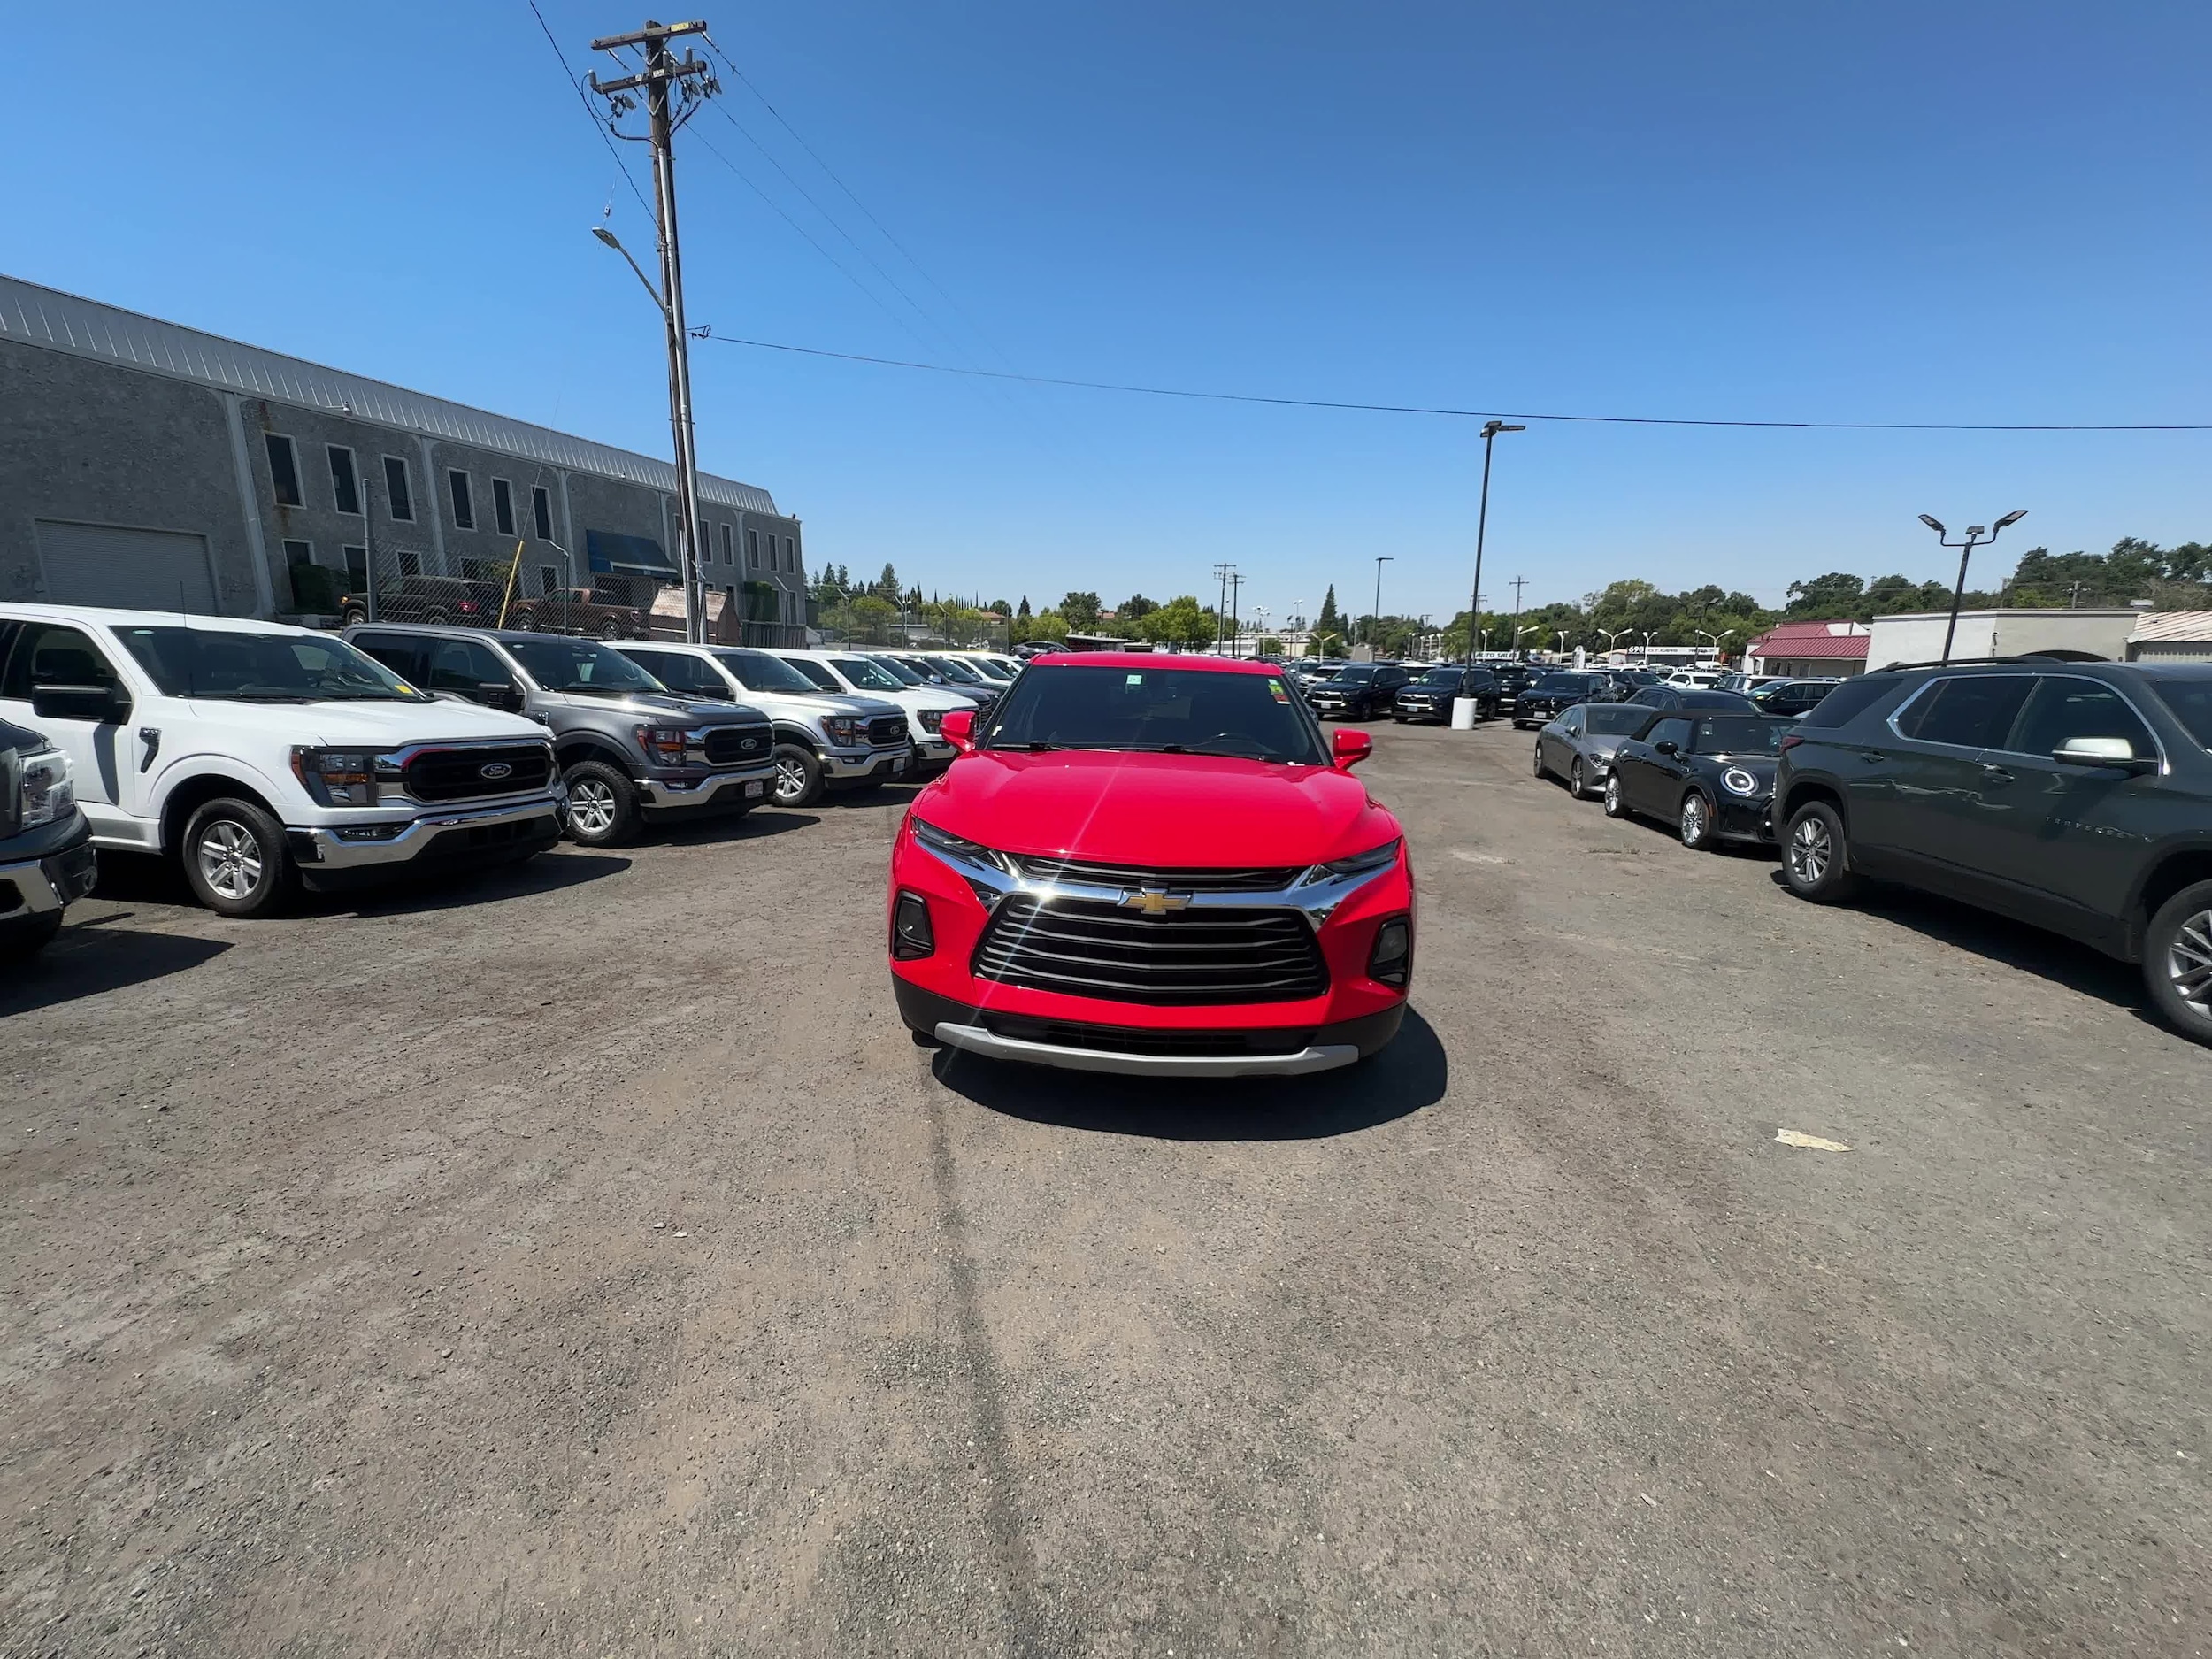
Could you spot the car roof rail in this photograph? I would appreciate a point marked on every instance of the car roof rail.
(2055, 656)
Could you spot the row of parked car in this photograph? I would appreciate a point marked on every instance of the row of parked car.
(2076, 796)
(262, 757)
(1528, 693)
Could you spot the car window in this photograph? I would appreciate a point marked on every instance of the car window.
(1570, 722)
(2063, 707)
(1166, 709)
(1847, 701)
(1741, 735)
(1613, 720)
(242, 665)
(2190, 702)
(401, 653)
(1673, 731)
(581, 665)
(1966, 710)
(757, 671)
(823, 679)
(866, 674)
(50, 654)
(464, 666)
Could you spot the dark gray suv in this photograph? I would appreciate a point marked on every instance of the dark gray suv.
(2077, 796)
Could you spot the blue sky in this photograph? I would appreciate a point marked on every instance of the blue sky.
(1905, 212)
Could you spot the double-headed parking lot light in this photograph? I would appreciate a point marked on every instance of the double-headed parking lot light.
(1974, 534)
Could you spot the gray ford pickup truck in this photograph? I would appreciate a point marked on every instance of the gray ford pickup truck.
(630, 750)
(46, 857)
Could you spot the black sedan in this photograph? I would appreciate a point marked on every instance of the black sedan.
(1690, 697)
(1541, 701)
(1358, 691)
(1430, 697)
(1793, 698)
(1710, 774)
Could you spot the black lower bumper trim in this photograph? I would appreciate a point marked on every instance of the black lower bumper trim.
(925, 1010)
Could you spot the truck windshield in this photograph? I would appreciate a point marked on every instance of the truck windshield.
(898, 670)
(239, 666)
(582, 665)
(757, 671)
(1157, 711)
(866, 674)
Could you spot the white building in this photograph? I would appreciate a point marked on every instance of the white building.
(1918, 636)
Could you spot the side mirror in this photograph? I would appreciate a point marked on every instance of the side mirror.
(2115, 752)
(1348, 748)
(500, 694)
(104, 705)
(958, 729)
(1666, 746)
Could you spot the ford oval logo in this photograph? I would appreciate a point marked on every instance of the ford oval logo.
(495, 769)
(750, 744)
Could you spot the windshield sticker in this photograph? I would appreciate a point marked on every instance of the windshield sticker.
(1136, 679)
(1275, 686)
(409, 689)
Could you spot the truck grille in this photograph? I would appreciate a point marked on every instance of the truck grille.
(1134, 876)
(1182, 959)
(886, 731)
(460, 775)
(739, 745)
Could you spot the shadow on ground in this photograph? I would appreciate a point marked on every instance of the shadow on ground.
(1408, 1075)
(410, 895)
(90, 958)
(2015, 944)
(758, 825)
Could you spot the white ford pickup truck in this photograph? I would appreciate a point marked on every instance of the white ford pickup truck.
(259, 757)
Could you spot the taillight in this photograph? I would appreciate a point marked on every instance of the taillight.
(1791, 742)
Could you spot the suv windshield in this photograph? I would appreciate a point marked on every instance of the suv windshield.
(1564, 683)
(867, 673)
(1158, 711)
(583, 665)
(1740, 734)
(2191, 701)
(1440, 680)
(1357, 673)
(756, 670)
(242, 667)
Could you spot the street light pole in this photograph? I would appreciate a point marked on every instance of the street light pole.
(1975, 535)
(1490, 431)
(1374, 621)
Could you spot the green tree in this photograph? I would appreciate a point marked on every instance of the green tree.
(888, 584)
(1328, 621)
(1270, 647)
(1081, 611)
(1022, 612)
(1134, 608)
(1000, 608)
(1837, 596)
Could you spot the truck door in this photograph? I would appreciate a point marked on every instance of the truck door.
(103, 753)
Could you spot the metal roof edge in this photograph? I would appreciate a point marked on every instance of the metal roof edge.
(55, 320)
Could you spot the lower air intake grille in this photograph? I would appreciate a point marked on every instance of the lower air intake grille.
(1184, 958)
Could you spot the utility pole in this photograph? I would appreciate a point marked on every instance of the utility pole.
(663, 71)
(1236, 591)
(1221, 609)
(1375, 626)
(1520, 582)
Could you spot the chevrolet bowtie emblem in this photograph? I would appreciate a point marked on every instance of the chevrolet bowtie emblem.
(1153, 902)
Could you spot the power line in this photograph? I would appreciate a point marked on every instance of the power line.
(1467, 414)
(584, 98)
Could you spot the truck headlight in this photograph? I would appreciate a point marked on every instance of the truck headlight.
(336, 777)
(47, 794)
(846, 732)
(930, 720)
(663, 745)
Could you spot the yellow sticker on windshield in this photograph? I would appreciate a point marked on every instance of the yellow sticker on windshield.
(1275, 686)
(409, 689)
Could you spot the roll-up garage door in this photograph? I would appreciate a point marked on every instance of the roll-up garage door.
(129, 570)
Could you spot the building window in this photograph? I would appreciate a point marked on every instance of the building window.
(298, 553)
(548, 579)
(504, 506)
(541, 513)
(357, 570)
(464, 503)
(345, 489)
(729, 552)
(752, 549)
(410, 565)
(396, 491)
(790, 556)
(284, 472)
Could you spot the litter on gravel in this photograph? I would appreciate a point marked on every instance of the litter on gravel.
(1792, 1138)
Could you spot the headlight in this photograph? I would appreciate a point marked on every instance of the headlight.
(47, 793)
(1736, 780)
(954, 845)
(846, 732)
(663, 745)
(1359, 864)
(337, 777)
(930, 720)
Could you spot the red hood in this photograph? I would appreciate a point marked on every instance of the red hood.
(1185, 811)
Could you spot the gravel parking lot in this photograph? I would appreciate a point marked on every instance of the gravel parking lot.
(585, 1261)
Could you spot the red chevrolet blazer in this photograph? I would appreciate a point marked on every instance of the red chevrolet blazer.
(1152, 865)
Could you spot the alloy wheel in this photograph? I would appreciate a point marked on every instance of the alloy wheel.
(1576, 782)
(2189, 961)
(591, 806)
(1811, 851)
(791, 780)
(230, 856)
(1693, 821)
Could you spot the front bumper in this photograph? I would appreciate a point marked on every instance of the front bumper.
(860, 766)
(436, 837)
(53, 876)
(734, 788)
(1746, 819)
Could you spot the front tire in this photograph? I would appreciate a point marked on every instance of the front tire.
(798, 776)
(235, 858)
(1616, 803)
(2177, 961)
(602, 809)
(1817, 855)
(611, 629)
(1696, 823)
(1542, 771)
(1578, 785)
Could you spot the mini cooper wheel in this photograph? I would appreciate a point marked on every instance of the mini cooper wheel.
(1817, 855)
(1698, 834)
(602, 806)
(2177, 961)
(1578, 784)
(235, 858)
(798, 776)
(1616, 803)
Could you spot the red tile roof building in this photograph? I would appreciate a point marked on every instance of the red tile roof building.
(1812, 650)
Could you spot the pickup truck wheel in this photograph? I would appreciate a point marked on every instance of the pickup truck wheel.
(235, 858)
(798, 776)
(353, 616)
(1816, 856)
(2177, 961)
(612, 629)
(602, 806)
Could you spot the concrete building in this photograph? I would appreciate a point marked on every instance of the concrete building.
(1809, 650)
(2171, 636)
(143, 463)
(1917, 637)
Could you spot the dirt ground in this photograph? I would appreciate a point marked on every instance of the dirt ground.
(584, 1261)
